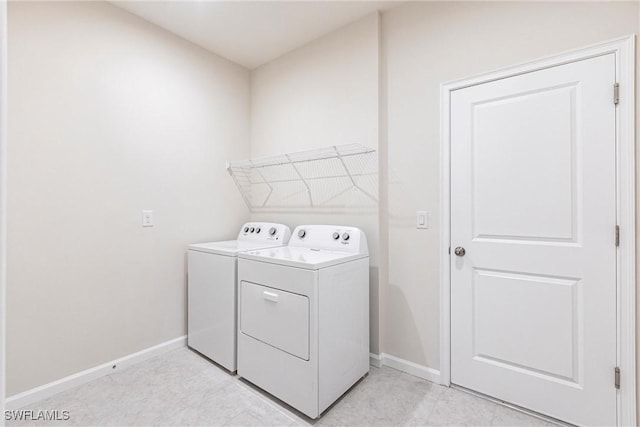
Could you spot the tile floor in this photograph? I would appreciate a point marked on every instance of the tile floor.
(183, 389)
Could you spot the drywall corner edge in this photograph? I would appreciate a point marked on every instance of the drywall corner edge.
(383, 179)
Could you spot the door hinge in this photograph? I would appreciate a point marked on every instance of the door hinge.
(617, 377)
(616, 93)
(617, 235)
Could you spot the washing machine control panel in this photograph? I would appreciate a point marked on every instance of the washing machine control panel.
(264, 232)
(330, 237)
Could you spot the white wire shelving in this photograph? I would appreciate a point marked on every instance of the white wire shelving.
(341, 176)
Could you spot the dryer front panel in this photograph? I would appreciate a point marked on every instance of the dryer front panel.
(275, 317)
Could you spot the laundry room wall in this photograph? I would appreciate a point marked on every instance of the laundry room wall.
(109, 115)
(426, 44)
(322, 94)
(3, 194)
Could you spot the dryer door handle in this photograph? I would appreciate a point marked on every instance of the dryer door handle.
(270, 296)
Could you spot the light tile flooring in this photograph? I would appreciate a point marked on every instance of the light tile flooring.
(183, 389)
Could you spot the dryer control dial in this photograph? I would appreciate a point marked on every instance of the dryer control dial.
(272, 231)
(336, 235)
(301, 234)
(246, 229)
(257, 229)
(345, 236)
(252, 229)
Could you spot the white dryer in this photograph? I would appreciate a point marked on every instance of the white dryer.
(303, 332)
(212, 289)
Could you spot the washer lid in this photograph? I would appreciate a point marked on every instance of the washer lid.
(230, 247)
(307, 258)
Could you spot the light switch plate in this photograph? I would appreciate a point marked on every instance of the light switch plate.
(422, 219)
(147, 218)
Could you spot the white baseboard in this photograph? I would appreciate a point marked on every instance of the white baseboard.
(375, 360)
(45, 391)
(410, 368)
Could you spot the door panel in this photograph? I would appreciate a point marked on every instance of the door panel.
(533, 308)
(536, 173)
(528, 297)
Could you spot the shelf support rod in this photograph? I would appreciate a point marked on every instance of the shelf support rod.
(301, 179)
(265, 182)
(335, 196)
(353, 182)
(235, 179)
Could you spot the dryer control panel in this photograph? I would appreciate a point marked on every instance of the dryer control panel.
(264, 232)
(330, 237)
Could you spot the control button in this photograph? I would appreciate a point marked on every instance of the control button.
(336, 235)
(302, 233)
(272, 231)
(252, 229)
(257, 229)
(246, 229)
(345, 236)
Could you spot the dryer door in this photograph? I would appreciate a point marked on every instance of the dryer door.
(275, 317)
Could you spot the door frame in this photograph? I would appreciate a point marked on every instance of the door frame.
(624, 50)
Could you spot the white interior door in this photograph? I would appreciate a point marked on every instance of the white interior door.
(533, 203)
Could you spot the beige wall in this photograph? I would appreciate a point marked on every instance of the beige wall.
(110, 115)
(427, 44)
(322, 94)
(92, 143)
(3, 219)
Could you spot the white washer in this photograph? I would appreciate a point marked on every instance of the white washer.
(212, 289)
(303, 332)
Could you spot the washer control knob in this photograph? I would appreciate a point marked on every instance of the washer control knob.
(246, 229)
(336, 235)
(345, 236)
(252, 229)
(301, 234)
(257, 229)
(272, 231)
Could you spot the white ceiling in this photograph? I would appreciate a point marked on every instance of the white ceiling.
(252, 33)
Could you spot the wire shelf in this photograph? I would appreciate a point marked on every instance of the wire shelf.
(340, 176)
